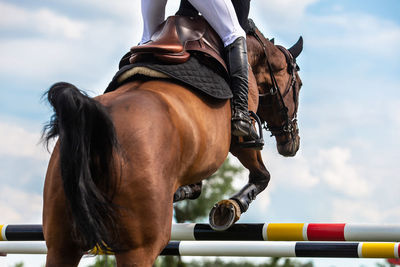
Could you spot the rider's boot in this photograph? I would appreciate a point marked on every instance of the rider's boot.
(236, 57)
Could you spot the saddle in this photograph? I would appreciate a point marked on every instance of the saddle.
(179, 37)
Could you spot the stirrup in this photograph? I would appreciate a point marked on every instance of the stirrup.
(256, 144)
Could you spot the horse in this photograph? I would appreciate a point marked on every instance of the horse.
(121, 156)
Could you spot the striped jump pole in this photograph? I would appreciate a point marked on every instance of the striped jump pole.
(249, 232)
(283, 249)
(21, 232)
(247, 249)
(290, 232)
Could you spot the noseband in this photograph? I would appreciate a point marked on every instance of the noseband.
(289, 125)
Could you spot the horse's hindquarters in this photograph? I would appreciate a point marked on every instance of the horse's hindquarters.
(168, 136)
(185, 128)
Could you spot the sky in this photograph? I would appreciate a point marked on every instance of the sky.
(347, 169)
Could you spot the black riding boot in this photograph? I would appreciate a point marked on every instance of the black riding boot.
(236, 57)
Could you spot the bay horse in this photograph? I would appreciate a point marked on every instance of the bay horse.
(121, 156)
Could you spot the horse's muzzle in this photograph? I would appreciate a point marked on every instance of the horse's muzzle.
(290, 148)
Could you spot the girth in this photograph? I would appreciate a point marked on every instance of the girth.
(177, 38)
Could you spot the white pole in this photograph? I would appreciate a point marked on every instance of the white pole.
(23, 247)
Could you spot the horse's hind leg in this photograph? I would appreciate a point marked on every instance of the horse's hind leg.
(147, 233)
(145, 215)
(140, 257)
(62, 257)
(227, 212)
(62, 251)
(191, 191)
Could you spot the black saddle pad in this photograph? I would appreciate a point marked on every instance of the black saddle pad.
(193, 73)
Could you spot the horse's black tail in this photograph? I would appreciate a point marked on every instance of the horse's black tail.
(87, 141)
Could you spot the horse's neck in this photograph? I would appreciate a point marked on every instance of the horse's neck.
(255, 51)
(258, 53)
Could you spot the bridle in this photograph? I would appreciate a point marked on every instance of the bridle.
(289, 125)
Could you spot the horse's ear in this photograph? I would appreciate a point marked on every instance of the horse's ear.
(296, 49)
(272, 40)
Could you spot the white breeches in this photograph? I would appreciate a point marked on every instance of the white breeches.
(220, 14)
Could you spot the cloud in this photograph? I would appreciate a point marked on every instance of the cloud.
(124, 9)
(361, 32)
(45, 59)
(338, 30)
(282, 9)
(23, 160)
(43, 44)
(15, 141)
(277, 17)
(326, 184)
(19, 206)
(393, 108)
(339, 174)
(355, 211)
(299, 171)
(43, 21)
(331, 168)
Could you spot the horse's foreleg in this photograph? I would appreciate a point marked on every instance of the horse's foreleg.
(226, 212)
(258, 180)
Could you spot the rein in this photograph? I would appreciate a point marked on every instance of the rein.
(289, 126)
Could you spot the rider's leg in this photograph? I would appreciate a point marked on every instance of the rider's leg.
(153, 14)
(242, 8)
(186, 9)
(222, 17)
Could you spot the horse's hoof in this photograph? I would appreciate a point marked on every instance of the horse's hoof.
(224, 214)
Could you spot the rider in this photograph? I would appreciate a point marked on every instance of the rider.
(221, 15)
(242, 9)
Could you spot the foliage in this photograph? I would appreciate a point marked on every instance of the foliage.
(104, 261)
(384, 264)
(19, 264)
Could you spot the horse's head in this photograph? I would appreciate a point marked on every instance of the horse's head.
(279, 86)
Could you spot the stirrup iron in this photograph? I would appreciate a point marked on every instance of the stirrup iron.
(257, 144)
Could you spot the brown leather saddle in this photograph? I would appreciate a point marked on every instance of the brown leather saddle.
(177, 38)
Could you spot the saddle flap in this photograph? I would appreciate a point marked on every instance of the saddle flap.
(177, 37)
(164, 40)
